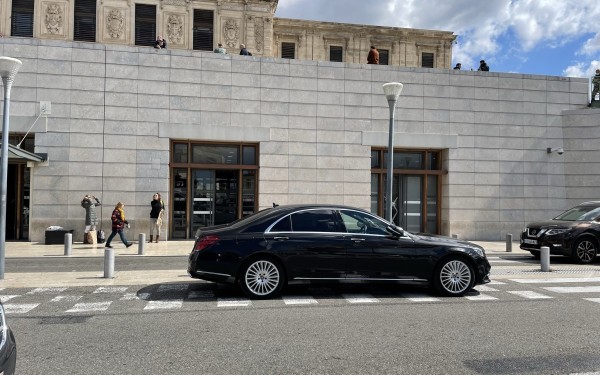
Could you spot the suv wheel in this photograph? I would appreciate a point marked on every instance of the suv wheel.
(585, 250)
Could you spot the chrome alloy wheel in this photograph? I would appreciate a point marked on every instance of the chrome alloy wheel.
(455, 276)
(586, 251)
(262, 278)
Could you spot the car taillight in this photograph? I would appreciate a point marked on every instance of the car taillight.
(205, 242)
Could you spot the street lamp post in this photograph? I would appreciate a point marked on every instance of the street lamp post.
(392, 91)
(8, 70)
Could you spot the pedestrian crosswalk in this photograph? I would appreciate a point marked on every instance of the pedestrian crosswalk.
(204, 295)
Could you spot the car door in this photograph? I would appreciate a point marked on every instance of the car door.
(373, 253)
(310, 243)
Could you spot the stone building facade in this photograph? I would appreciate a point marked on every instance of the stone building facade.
(187, 24)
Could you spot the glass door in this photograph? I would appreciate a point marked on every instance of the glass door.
(180, 194)
(226, 196)
(408, 200)
(203, 190)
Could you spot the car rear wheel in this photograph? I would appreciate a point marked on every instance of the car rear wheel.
(454, 277)
(585, 250)
(262, 278)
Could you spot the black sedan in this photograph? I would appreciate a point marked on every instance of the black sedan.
(574, 233)
(8, 347)
(304, 243)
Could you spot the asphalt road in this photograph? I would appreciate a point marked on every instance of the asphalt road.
(507, 335)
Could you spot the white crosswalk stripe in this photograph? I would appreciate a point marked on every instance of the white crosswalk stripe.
(360, 298)
(529, 294)
(135, 296)
(481, 297)
(485, 288)
(47, 291)
(111, 289)
(88, 307)
(233, 302)
(495, 282)
(62, 298)
(299, 300)
(7, 298)
(557, 280)
(19, 308)
(573, 289)
(597, 300)
(164, 305)
(419, 297)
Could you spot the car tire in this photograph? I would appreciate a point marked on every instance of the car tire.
(584, 250)
(454, 277)
(536, 254)
(262, 278)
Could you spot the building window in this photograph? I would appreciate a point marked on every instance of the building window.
(211, 184)
(22, 18)
(288, 50)
(416, 188)
(84, 27)
(145, 25)
(336, 53)
(203, 29)
(427, 60)
(384, 57)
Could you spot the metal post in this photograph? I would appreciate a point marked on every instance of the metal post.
(68, 243)
(509, 243)
(109, 263)
(8, 70)
(392, 91)
(545, 258)
(141, 243)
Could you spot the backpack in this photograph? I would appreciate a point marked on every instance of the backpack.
(101, 237)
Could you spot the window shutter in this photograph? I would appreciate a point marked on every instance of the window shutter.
(203, 29)
(288, 50)
(384, 57)
(85, 21)
(22, 18)
(336, 53)
(427, 60)
(145, 25)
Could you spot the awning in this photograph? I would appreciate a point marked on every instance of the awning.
(17, 154)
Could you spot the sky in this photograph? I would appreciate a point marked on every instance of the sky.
(548, 37)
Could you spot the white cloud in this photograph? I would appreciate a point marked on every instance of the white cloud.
(592, 45)
(582, 70)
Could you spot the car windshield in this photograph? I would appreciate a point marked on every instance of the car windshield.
(580, 213)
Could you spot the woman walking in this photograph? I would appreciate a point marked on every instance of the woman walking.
(91, 220)
(156, 214)
(118, 224)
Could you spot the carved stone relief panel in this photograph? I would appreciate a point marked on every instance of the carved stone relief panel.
(259, 34)
(175, 27)
(114, 22)
(175, 2)
(54, 18)
(231, 32)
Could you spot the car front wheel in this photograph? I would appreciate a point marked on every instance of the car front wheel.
(454, 277)
(585, 250)
(262, 278)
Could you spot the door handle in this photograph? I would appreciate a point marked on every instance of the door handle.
(357, 239)
(281, 238)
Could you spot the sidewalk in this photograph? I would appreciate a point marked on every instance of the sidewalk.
(39, 251)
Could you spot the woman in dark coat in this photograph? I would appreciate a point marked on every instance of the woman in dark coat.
(118, 224)
(91, 220)
(156, 213)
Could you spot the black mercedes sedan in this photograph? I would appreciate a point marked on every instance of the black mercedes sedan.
(574, 233)
(264, 252)
(8, 346)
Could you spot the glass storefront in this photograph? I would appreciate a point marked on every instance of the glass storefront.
(212, 184)
(415, 188)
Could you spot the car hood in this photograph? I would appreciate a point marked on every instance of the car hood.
(443, 240)
(553, 224)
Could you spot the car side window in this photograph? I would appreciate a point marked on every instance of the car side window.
(359, 222)
(314, 221)
(283, 225)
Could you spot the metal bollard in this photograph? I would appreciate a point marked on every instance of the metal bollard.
(509, 243)
(455, 236)
(68, 243)
(109, 263)
(545, 258)
(141, 243)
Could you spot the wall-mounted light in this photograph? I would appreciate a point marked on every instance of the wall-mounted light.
(558, 150)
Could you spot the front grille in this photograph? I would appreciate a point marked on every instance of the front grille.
(535, 232)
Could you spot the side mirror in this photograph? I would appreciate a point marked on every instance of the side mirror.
(395, 231)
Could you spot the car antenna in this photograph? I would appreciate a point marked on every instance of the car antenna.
(275, 205)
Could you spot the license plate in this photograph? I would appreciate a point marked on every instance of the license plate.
(531, 242)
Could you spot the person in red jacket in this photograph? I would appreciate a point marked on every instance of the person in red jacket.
(373, 57)
(118, 224)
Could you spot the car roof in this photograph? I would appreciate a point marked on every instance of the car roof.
(590, 203)
(295, 207)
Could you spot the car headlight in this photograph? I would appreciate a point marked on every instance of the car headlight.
(479, 251)
(553, 232)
